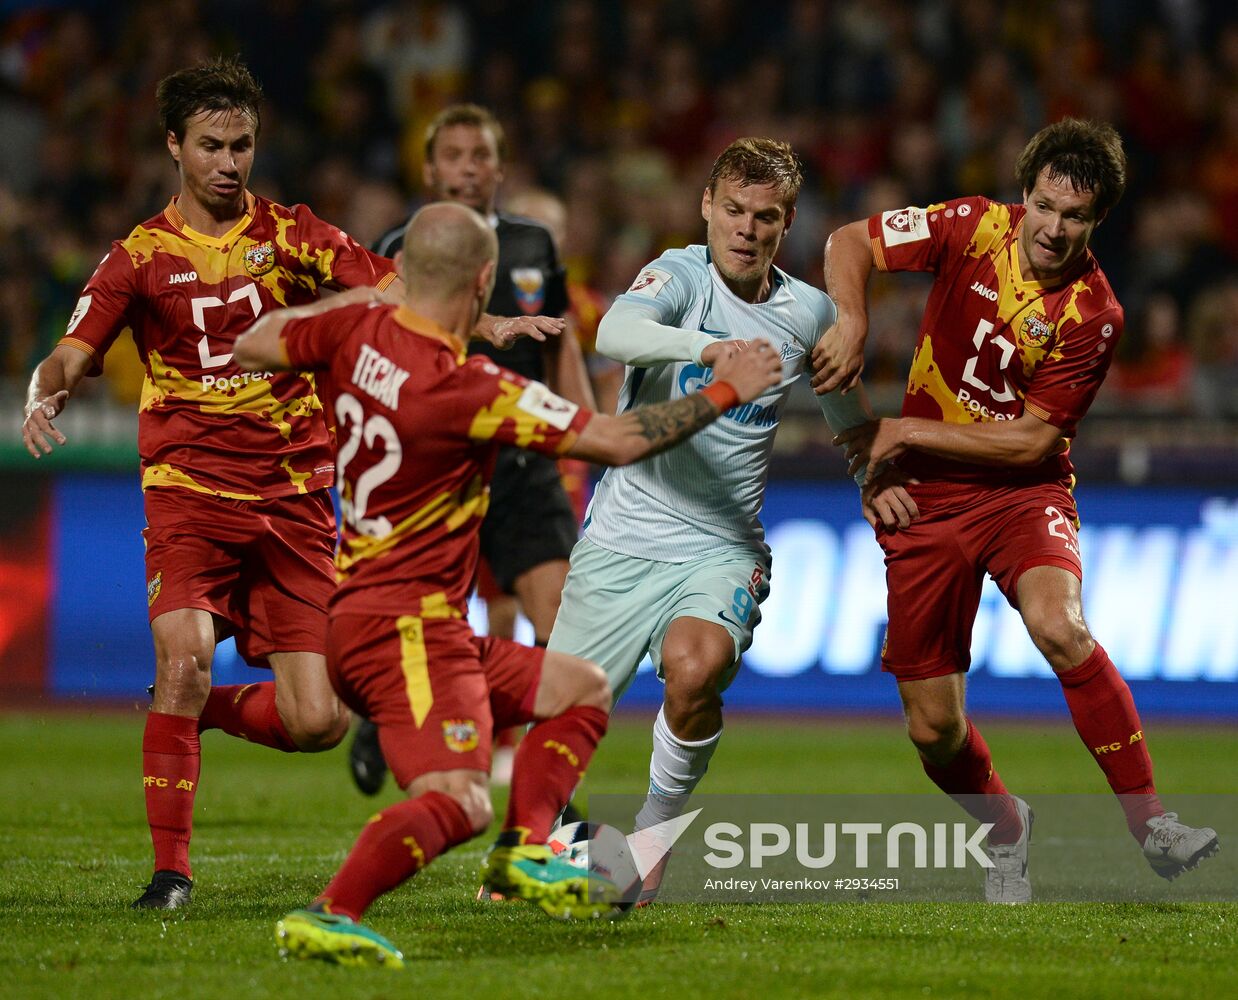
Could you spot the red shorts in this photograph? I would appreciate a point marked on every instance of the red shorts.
(935, 569)
(262, 567)
(487, 587)
(436, 691)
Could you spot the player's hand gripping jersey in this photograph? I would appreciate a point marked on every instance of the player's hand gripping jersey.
(419, 425)
(205, 424)
(992, 345)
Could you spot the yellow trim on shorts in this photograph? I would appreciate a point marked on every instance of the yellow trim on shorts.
(416, 666)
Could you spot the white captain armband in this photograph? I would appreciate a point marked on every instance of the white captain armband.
(540, 402)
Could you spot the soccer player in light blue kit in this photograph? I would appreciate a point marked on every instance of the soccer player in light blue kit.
(673, 561)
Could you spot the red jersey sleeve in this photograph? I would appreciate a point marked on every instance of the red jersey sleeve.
(512, 410)
(916, 239)
(313, 343)
(102, 311)
(341, 261)
(1067, 381)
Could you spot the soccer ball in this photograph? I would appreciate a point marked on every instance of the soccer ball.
(602, 851)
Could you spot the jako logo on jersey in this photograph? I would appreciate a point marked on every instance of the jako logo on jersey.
(530, 285)
(379, 377)
(694, 377)
(460, 735)
(259, 259)
(987, 293)
(180, 279)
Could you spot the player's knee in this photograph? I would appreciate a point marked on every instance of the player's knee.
(480, 812)
(473, 798)
(692, 679)
(468, 789)
(182, 678)
(594, 688)
(936, 731)
(1062, 637)
(318, 726)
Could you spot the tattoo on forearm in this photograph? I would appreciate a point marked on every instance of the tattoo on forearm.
(666, 424)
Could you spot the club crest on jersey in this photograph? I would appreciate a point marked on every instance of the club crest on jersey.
(1035, 331)
(83, 306)
(153, 587)
(530, 285)
(900, 222)
(649, 282)
(460, 735)
(906, 225)
(259, 259)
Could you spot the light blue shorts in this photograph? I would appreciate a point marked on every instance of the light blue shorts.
(617, 608)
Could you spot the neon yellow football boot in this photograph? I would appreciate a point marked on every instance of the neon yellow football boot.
(332, 937)
(534, 873)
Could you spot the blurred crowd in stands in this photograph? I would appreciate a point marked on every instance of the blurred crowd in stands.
(618, 107)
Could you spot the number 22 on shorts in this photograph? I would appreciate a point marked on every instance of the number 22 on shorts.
(1060, 526)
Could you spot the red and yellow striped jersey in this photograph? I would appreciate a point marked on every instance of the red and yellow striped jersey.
(205, 424)
(992, 345)
(418, 426)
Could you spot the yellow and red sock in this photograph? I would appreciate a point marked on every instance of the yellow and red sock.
(549, 764)
(247, 711)
(971, 775)
(1104, 714)
(396, 844)
(171, 761)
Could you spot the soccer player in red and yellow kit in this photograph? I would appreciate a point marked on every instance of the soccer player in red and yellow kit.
(1017, 335)
(419, 427)
(235, 465)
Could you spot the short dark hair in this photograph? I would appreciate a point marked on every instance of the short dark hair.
(760, 161)
(466, 114)
(223, 84)
(1088, 154)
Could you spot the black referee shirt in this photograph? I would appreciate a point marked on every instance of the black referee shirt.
(529, 282)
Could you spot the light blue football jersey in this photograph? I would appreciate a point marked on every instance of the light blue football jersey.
(704, 494)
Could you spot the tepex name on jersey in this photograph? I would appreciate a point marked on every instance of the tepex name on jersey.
(694, 377)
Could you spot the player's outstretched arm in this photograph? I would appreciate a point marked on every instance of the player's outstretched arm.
(630, 333)
(1027, 440)
(261, 347)
(50, 387)
(739, 378)
(838, 358)
(503, 331)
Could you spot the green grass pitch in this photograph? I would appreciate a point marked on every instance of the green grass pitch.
(270, 829)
